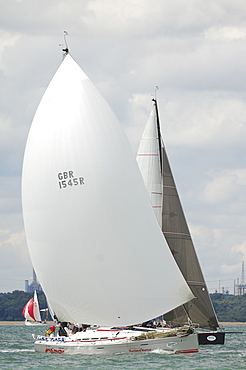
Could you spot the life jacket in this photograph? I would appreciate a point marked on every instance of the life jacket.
(50, 331)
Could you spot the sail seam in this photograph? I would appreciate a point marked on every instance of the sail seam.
(197, 282)
(171, 232)
(169, 186)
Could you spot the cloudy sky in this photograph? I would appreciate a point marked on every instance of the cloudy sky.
(194, 50)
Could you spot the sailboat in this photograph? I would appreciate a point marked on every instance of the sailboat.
(31, 312)
(156, 171)
(85, 206)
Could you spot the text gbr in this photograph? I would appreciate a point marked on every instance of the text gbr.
(67, 178)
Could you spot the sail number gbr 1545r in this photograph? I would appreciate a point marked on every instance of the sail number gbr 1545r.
(67, 179)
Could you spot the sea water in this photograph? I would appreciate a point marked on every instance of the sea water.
(16, 352)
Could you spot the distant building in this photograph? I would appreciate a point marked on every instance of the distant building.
(241, 288)
(34, 285)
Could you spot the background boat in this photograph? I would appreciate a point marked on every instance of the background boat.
(31, 312)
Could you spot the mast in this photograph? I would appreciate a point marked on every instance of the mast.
(158, 131)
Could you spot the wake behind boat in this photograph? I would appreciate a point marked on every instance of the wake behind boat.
(85, 205)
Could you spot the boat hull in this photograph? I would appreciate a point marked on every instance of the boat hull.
(34, 323)
(185, 344)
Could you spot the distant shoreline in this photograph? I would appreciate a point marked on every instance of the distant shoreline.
(50, 323)
(233, 323)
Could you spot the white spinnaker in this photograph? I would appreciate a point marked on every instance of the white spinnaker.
(94, 241)
(148, 159)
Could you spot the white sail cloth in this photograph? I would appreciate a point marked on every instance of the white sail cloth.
(94, 242)
(148, 159)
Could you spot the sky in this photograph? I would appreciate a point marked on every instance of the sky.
(194, 51)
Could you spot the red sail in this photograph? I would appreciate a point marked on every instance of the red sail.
(28, 310)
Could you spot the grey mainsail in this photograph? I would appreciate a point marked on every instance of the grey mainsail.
(176, 232)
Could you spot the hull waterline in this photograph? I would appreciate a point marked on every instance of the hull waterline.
(118, 342)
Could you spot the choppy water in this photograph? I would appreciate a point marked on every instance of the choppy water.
(16, 352)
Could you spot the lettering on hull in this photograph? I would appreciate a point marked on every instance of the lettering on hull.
(140, 350)
(52, 350)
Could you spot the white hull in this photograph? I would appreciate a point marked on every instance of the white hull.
(114, 343)
(34, 323)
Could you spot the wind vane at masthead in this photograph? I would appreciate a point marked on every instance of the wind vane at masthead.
(65, 50)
